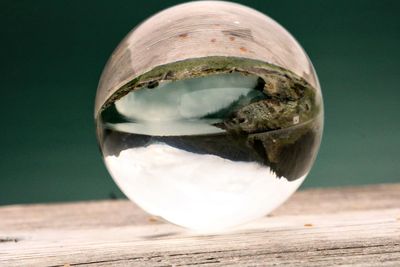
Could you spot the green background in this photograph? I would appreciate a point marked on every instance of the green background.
(53, 52)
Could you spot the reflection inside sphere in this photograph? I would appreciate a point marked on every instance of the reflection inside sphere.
(219, 142)
(209, 115)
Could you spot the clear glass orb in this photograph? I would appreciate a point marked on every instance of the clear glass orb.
(209, 115)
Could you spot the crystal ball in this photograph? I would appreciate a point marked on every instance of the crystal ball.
(209, 114)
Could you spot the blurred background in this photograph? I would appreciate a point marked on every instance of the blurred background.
(53, 52)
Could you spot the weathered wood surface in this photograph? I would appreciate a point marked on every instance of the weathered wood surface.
(351, 226)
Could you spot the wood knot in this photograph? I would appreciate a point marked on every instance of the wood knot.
(152, 219)
(9, 239)
(183, 35)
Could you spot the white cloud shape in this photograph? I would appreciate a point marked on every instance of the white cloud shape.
(203, 192)
(185, 99)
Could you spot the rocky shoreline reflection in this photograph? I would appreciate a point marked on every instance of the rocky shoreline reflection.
(272, 120)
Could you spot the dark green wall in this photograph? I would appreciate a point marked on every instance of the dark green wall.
(52, 54)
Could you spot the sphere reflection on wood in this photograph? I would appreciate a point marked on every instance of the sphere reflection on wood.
(209, 114)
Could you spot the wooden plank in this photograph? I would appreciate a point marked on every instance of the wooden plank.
(357, 226)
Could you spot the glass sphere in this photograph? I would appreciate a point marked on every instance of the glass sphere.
(209, 114)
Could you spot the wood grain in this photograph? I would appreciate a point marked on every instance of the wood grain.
(358, 226)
